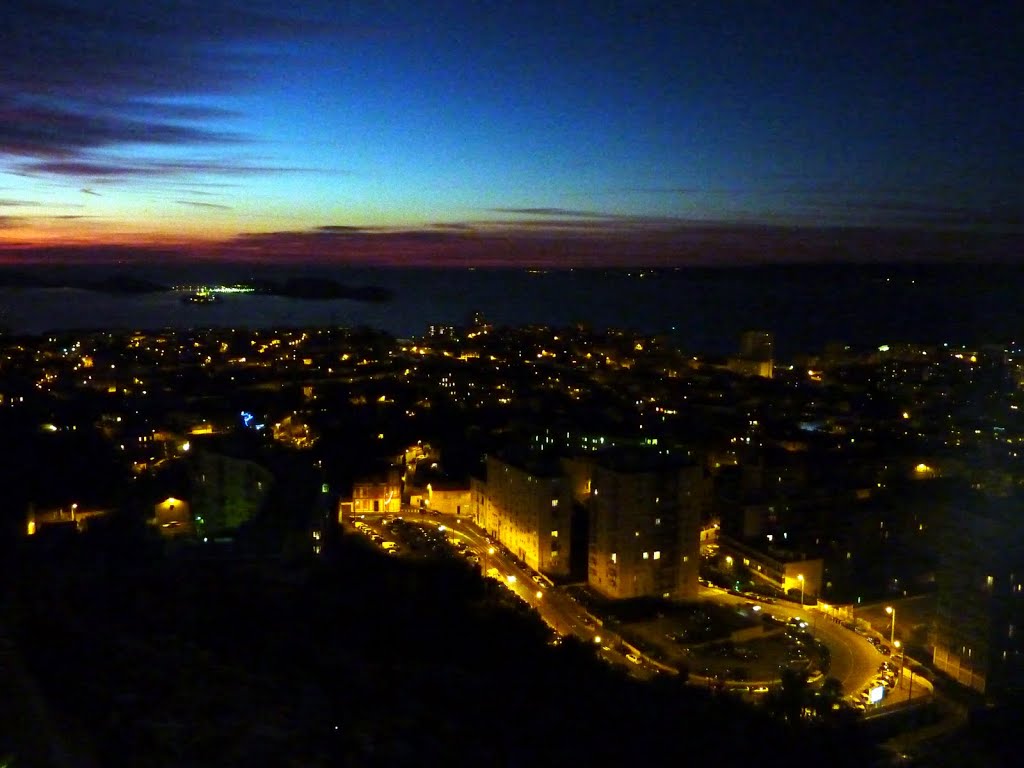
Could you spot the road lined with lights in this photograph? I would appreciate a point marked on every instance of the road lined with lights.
(854, 660)
(558, 610)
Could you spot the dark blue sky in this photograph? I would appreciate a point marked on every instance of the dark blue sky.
(496, 132)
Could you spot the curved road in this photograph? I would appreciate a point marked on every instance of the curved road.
(855, 661)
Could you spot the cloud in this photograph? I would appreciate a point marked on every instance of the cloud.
(914, 214)
(87, 191)
(114, 168)
(557, 212)
(680, 245)
(35, 130)
(83, 78)
(9, 203)
(199, 204)
(457, 226)
(343, 229)
(657, 242)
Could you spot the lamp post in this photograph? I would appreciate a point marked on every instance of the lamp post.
(800, 578)
(892, 629)
(899, 675)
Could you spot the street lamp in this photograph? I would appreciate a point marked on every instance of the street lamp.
(892, 630)
(800, 578)
(899, 675)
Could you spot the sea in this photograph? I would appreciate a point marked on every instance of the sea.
(703, 311)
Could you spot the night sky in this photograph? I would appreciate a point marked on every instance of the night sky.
(511, 132)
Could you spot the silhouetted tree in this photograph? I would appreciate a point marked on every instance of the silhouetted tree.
(787, 702)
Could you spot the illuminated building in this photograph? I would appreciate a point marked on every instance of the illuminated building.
(443, 497)
(757, 345)
(757, 355)
(789, 572)
(644, 522)
(380, 493)
(527, 507)
(173, 517)
(439, 331)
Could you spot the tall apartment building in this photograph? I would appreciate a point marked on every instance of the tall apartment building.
(757, 345)
(525, 505)
(756, 356)
(226, 491)
(979, 626)
(644, 522)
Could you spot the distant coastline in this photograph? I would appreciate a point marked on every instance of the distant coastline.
(313, 289)
(704, 310)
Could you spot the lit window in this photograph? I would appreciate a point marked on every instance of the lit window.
(657, 554)
(554, 534)
(989, 581)
(646, 556)
(686, 558)
(554, 502)
(657, 521)
(615, 557)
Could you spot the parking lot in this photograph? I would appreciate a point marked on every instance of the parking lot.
(398, 536)
(767, 648)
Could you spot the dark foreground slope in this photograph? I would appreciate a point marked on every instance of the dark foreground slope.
(148, 658)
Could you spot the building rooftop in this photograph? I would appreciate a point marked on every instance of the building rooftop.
(642, 459)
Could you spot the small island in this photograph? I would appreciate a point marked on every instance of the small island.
(311, 288)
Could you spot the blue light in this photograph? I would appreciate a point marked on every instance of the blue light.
(247, 418)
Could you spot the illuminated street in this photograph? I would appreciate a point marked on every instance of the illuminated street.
(558, 610)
